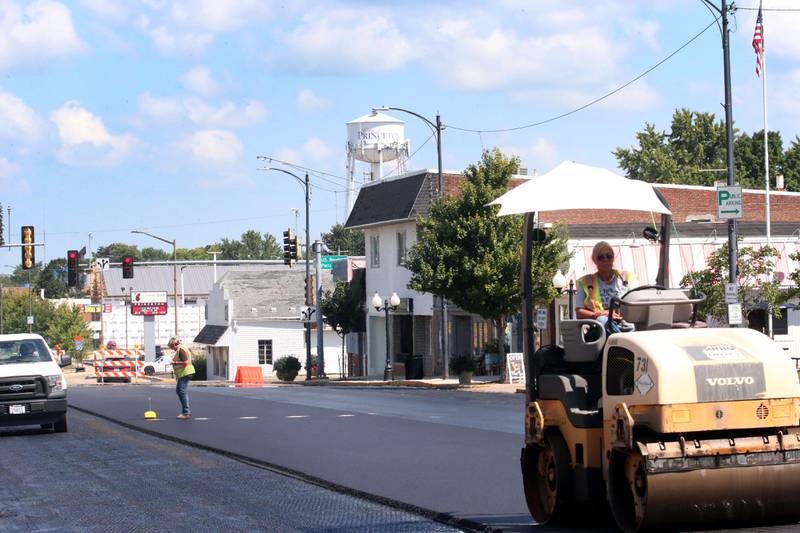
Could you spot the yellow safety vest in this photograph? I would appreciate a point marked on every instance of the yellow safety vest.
(182, 371)
(591, 288)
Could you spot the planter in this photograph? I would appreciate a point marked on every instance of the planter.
(464, 378)
(286, 376)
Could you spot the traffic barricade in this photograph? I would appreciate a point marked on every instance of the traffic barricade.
(117, 364)
(249, 375)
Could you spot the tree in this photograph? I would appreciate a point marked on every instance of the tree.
(343, 310)
(343, 240)
(253, 245)
(117, 250)
(470, 256)
(151, 253)
(64, 325)
(53, 279)
(749, 159)
(791, 166)
(755, 270)
(15, 312)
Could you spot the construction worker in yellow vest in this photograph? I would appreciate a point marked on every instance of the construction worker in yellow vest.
(595, 291)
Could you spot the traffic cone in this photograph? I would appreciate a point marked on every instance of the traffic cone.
(150, 414)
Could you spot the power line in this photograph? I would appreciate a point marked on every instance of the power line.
(414, 152)
(596, 100)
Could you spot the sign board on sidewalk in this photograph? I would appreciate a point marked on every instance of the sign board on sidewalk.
(515, 367)
(102, 263)
(149, 303)
(729, 202)
(541, 318)
(731, 293)
(735, 314)
(326, 261)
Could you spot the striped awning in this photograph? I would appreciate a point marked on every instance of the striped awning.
(643, 260)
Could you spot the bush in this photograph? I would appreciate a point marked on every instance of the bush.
(314, 363)
(287, 368)
(462, 363)
(200, 367)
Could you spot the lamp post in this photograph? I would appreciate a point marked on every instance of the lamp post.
(392, 304)
(306, 184)
(174, 271)
(559, 282)
(437, 130)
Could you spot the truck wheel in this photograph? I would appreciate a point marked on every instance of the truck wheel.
(61, 425)
(547, 479)
(149, 371)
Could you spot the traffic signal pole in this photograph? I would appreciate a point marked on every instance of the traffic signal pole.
(308, 278)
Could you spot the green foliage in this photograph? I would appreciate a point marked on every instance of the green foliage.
(64, 325)
(462, 363)
(469, 255)
(755, 267)
(697, 141)
(53, 279)
(15, 312)
(343, 309)
(200, 364)
(253, 245)
(287, 368)
(117, 250)
(345, 241)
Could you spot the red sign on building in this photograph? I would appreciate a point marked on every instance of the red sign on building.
(149, 303)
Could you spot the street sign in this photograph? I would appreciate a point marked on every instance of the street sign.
(307, 313)
(326, 261)
(729, 202)
(92, 308)
(541, 318)
(30, 320)
(108, 308)
(102, 263)
(734, 314)
(731, 293)
(149, 303)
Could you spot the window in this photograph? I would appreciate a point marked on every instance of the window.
(780, 326)
(265, 352)
(401, 248)
(375, 251)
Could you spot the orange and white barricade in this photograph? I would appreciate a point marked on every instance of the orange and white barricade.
(130, 367)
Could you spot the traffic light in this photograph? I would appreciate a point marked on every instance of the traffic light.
(288, 241)
(127, 267)
(72, 268)
(293, 248)
(28, 255)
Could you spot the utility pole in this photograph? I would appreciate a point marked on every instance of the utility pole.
(732, 245)
(318, 303)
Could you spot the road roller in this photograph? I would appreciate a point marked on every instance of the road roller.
(672, 425)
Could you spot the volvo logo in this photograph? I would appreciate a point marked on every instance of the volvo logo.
(746, 380)
(16, 387)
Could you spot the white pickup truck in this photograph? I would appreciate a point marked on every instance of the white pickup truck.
(33, 390)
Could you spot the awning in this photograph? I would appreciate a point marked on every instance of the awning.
(210, 334)
(574, 186)
(683, 258)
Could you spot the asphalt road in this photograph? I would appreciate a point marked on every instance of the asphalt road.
(450, 452)
(103, 477)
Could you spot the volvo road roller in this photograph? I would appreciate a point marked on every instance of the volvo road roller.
(672, 425)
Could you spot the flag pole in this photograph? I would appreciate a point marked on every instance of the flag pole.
(763, 64)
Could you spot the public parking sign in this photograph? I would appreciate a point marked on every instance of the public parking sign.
(729, 202)
(149, 303)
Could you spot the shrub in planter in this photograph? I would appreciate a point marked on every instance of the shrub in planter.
(314, 363)
(200, 367)
(461, 364)
(287, 368)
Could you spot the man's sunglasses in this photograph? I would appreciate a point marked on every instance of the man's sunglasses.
(605, 257)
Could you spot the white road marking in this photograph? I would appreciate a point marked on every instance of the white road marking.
(202, 419)
(344, 416)
(297, 416)
(434, 416)
(372, 413)
(247, 417)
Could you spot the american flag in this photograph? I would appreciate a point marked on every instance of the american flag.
(758, 41)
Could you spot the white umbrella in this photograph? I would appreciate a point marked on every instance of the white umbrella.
(575, 186)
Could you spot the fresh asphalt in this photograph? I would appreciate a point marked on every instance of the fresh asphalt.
(442, 452)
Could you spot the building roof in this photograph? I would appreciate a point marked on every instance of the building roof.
(696, 230)
(270, 294)
(210, 334)
(197, 279)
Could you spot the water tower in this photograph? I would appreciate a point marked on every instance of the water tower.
(376, 139)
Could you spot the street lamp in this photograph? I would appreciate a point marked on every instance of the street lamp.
(559, 282)
(306, 184)
(174, 271)
(392, 304)
(437, 130)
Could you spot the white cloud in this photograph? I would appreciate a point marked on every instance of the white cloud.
(10, 180)
(173, 42)
(200, 81)
(85, 140)
(637, 97)
(340, 41)
(288, 154)
(17, 120)
(112, 10)
(541, 154)
(308, 102)
(316, 149)
(39, 31)
(216, 146)
(201, 113)
(217, 16)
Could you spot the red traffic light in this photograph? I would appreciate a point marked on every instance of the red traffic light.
(72, 254)
(127, 267)
(127, 260)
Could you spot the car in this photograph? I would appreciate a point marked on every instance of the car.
(32, 386)
(161, 365)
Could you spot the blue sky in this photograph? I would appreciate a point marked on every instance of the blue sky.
(150, 115)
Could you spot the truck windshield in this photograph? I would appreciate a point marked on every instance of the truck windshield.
(23, 351)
